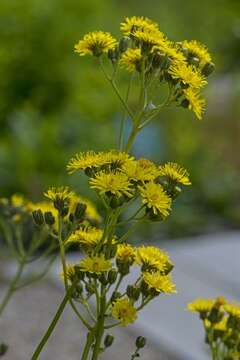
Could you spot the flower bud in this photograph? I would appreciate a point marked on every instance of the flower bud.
(80, 211)
(113, 55)
(133, 292)
(49, 218)
(112, 276)
(208, 69)
(115, 296)
(194, 61)
(64, 211)
(89, 288)
(124, 44)
(103, 279)
(123, 268)
(108, 341)
(38, 217)
(140, 342)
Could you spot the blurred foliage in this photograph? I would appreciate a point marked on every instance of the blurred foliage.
(53, 104)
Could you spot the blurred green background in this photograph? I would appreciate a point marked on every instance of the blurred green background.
(54, 103)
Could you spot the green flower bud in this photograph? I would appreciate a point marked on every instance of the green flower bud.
(38, 217)
(49, 218)
(89, 288)
(140, 342)
(208, 69)
(115, 296)
(80, 211)
(112, 276)
(133, 292)
(64, 211)
(124, 44)
(108, 341)
(123, 268)
(113, 55)
(103, 279)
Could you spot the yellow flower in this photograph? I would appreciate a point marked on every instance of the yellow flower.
(124, 311)
(18, 200)
(168, 48)
(233, 310)
(161, 283)
(220, 326)
(175, 173)
(89, 236)
(140, 170)
(152, 258)
(92, 160)
(194, 102)
(95, 264)
(201, 305)
(134, 23)
(196, 49)
(187, 74)
(59, 194)
(148, 38)
(115, 183)
(131, 60)
(126, 253)
(156, 199)
(83, 161)
(95, 43)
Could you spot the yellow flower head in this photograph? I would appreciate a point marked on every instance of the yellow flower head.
(194, 102)
(124, 311)
(152, 258)
(18, 200)
(156, 199)
(115, 158)
(115, 183)
(141, 170)
(201, 305)
(62, 194)
(196, 49)
(131, 60)
(158, 282)
(126, 253)
(134, 23)
(89, 236)
(187, 74)
(95, 43)
(233, 310)
(95, 264)
(175, 173)
(149, 38)
(167, 48)
(220, 326)
(83, 161)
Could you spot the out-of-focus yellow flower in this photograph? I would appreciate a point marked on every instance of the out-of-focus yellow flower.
(134, 23)
(233, 310)
(158, 282)
(18, 200)
(194, 102)
(89, 236)
(187, 74)
(132, 60)
(175, 173)
(196, 49)
(95, 43)
(115, 183)
(62, 193)
(152, 258)
(124, 311)
(156, 199)
(95, 264)
(201, 305)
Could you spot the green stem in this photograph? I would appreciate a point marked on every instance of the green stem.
(100, 326)
(12, 287)
(90, 337)
(124, 117)
(50, 328)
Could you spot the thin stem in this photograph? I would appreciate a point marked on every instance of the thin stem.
(88, 344)
(114, 86)
(124, 117)
(130, 231)
(51, 327)
(100, 325)
(12, 287)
